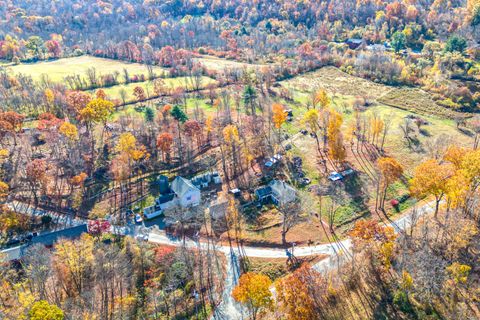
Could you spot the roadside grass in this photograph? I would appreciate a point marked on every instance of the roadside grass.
(57, 70)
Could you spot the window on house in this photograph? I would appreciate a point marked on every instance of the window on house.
(189, 198)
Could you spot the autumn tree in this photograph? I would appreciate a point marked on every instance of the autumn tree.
(139, 93)
(430, 178)
(77, 100)
(96, 111)
(231, 139)
(36, 175)
(311, 119)
(297, 294)
(69, 130)
(253, 291)
(335, 137)
(320, 97)
(11, 123)
(164, 144)
(390, 170)
(42, 310)
(279, 115)
(377, 238)
(74, 260)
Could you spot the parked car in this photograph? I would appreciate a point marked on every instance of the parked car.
(138, 218)
(335, 176)
(347, 172)
(306, 181)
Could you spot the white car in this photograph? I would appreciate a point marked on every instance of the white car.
(335, 176)
(138, 218)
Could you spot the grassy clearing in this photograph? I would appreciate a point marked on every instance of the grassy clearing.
(218, 64)
(336, 82)
(57, 70)
(416, 100)
(439, 129)
(354, 201)
(114, 92)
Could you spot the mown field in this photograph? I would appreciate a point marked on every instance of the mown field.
(57, 70)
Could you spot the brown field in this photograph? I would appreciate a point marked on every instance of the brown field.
(335, 81)
(417, 100)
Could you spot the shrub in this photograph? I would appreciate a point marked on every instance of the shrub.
(400, 299)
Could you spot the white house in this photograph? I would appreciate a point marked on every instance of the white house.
(282, 193)
(187, 194)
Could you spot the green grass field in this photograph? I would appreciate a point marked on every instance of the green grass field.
(114, 92)
(57, 70)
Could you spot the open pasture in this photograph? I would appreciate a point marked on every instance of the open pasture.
(57, 70)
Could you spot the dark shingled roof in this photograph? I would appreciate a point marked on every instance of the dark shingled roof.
(263, 192)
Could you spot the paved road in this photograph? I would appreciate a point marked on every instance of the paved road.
(337, 252)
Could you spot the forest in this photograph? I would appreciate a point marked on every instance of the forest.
(237, 159)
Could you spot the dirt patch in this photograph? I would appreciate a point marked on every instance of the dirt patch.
(301, 234)
(277, 267)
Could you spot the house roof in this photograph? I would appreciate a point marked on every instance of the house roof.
(354, 40)
(164, 198)
(263, 192)
(282, 190)
(181, 186)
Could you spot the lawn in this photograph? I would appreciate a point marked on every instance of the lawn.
(57, 70)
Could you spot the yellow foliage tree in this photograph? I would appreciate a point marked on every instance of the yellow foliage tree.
(127, 144)
(97, 110)
(295, 299)
(69, 130)
(321, 98)
(311, 118)
(74, 259)
(455, 155)
(430, 178)
(459, 272)
(49, 96)
(253, 291)
(230, 133)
